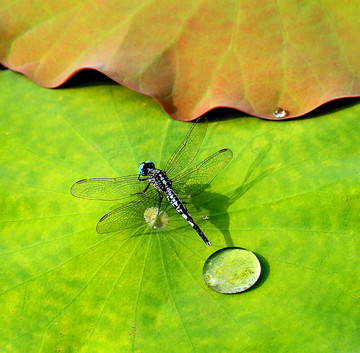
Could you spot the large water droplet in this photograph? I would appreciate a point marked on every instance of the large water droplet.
(231, 270)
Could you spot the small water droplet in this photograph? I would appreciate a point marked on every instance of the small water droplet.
(155, 220)
(231, 270)
(280, 113)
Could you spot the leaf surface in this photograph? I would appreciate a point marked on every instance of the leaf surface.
(290, 194)
(193, 56)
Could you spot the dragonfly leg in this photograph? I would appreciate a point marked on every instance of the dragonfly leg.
(142, 192)
(160, 202)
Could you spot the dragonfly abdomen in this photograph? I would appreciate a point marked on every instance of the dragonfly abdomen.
(175, 202)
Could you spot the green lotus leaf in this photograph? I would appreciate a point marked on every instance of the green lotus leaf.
(290, 195)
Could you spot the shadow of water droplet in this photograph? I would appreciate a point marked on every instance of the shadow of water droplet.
(265, 272)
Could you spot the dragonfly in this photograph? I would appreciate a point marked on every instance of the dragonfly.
(176, 182)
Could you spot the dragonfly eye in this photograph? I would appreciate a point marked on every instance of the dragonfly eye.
(145, 166)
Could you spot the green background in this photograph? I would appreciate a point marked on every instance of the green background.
(290, 194)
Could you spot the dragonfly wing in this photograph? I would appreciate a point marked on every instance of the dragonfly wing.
(188, 149)
(129, 215)
(108, 189)
(195, 180)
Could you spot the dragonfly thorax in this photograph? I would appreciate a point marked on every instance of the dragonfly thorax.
(159, 180)
(145, 167)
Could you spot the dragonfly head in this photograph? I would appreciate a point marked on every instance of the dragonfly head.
(145, 166)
